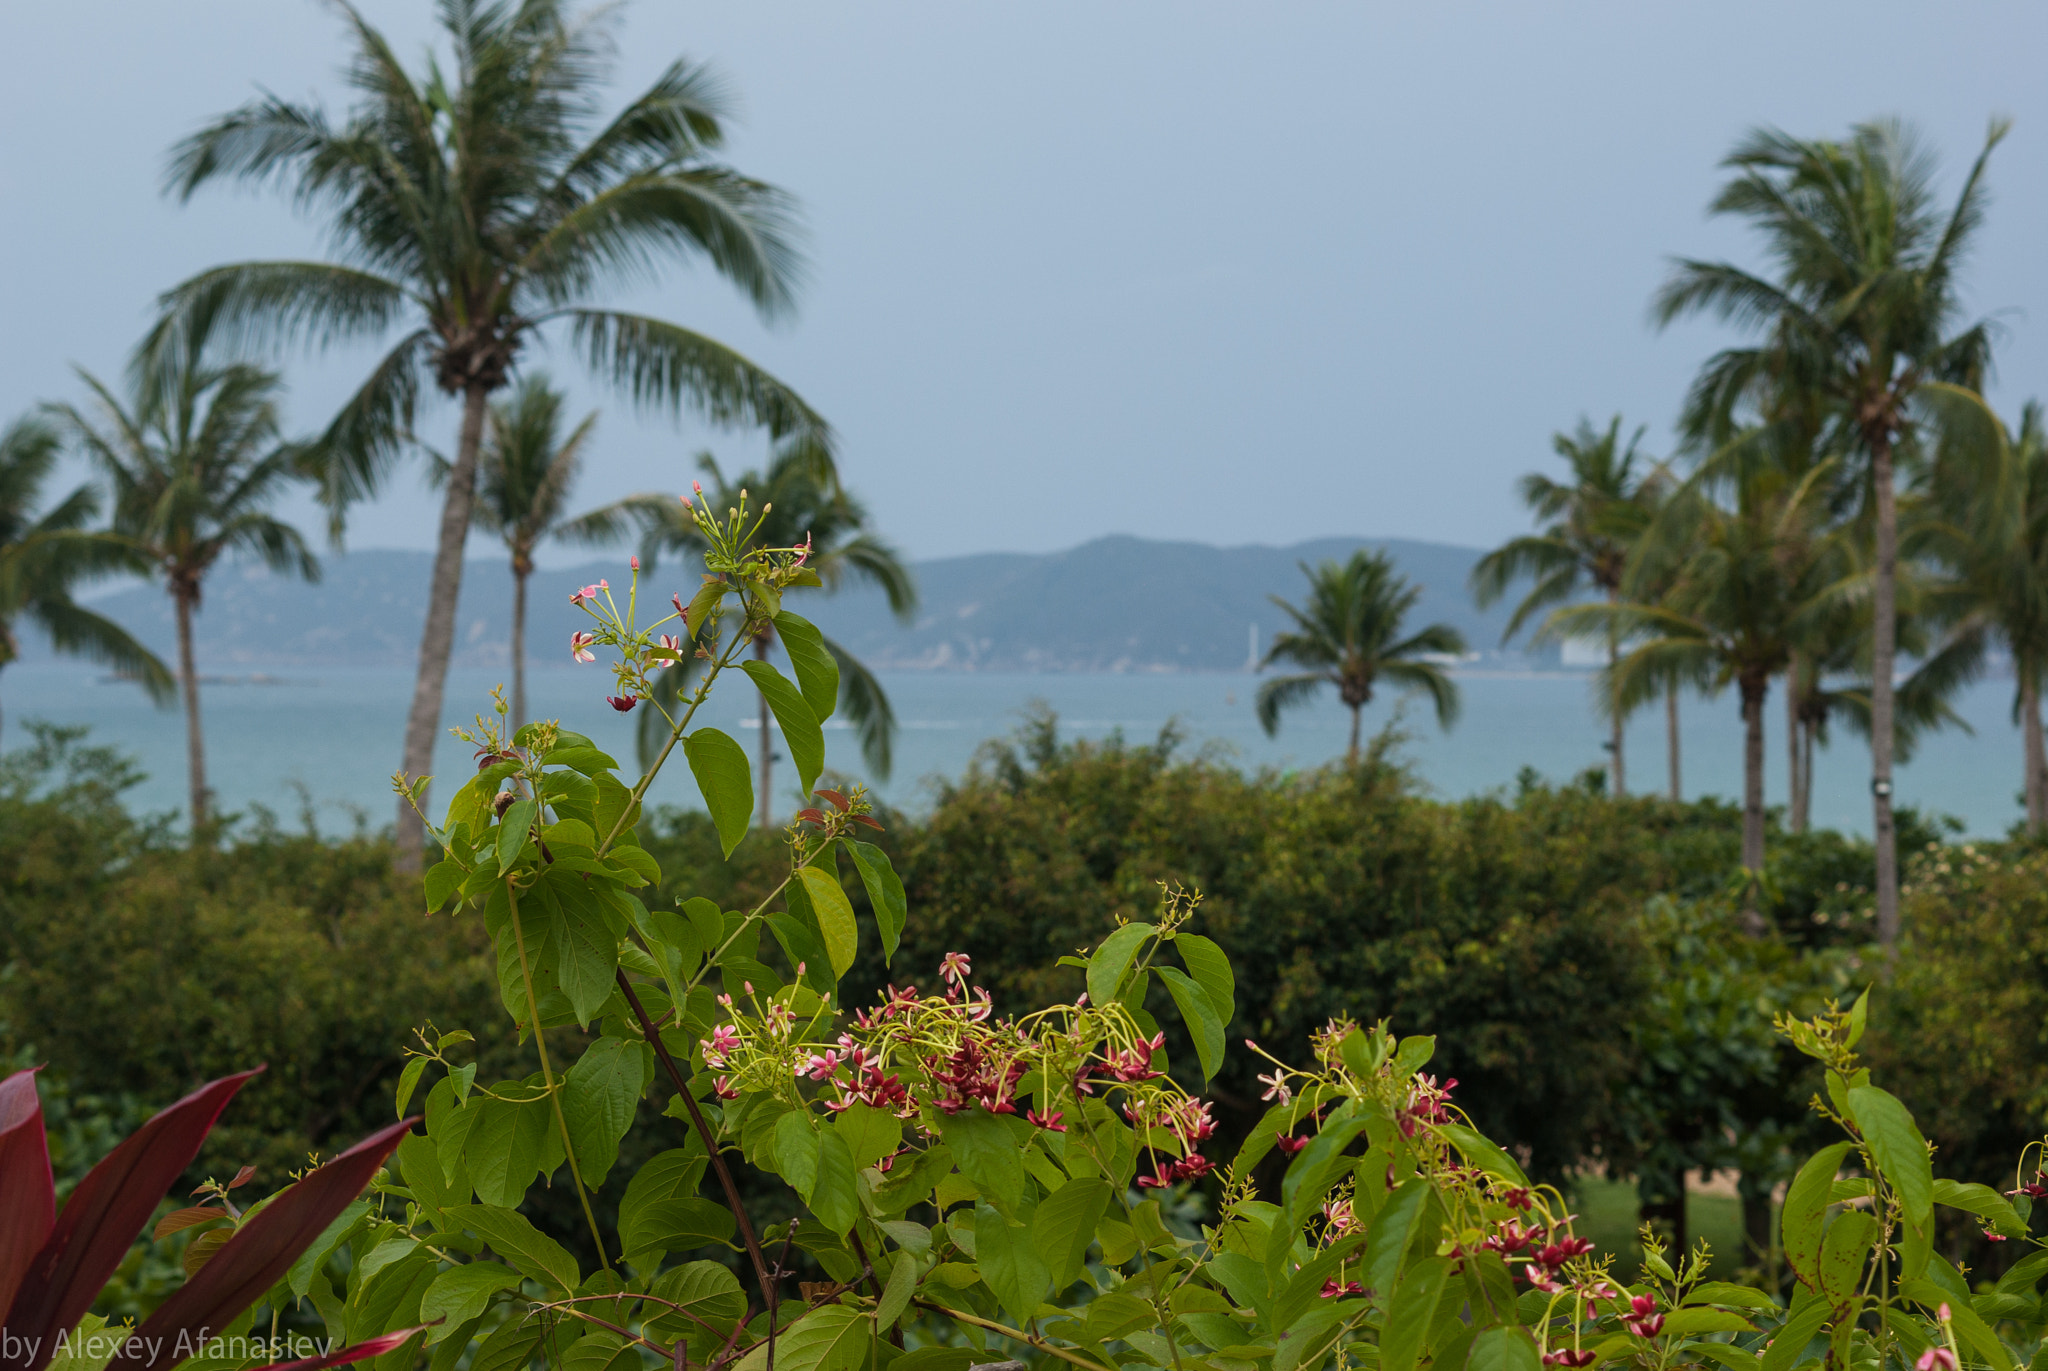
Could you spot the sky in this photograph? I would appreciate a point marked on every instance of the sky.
(1224, 272)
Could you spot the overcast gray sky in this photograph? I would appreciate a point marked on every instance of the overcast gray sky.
(1235, 273)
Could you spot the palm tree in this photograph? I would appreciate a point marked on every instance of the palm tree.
(524, 474)
(1350, 636)
(195, 461)
(1989, 529)
(1589, 524)
(478, 213)
(1741, 584)
(1864, 309)
(801, 502)
(44, 556)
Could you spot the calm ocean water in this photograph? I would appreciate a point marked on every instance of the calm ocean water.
(332, 736)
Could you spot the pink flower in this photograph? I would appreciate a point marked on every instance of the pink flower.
(1567, 1357)
(724, 1039)
(671, 642)
(1049, 1122)
(1332, 1290)
(579, 646)
(697, 486)
(723, 1087)
(622, 703)
(1163, 1180)
(1276, 1086)
(587, 593)
(636, 563)
(1288, 1143)
(1936, 1359)
(956, 967)
(821, 1065)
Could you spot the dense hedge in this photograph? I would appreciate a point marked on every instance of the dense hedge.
(1580, 958)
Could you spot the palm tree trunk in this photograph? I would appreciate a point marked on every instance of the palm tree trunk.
(1614, 657)
(1806, 732)
(437, 638)
(518, 643)
(1884, 651)
(188, 681)
(767, 743)
(1351, 756)
(1795, 780)
(1671, 740)
(2036, 763)
(1753, 693)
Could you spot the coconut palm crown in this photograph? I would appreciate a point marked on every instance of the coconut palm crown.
(472, 209)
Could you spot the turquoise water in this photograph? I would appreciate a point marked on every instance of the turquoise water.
(335, 733)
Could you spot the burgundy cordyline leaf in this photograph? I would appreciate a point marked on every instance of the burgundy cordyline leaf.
(28, 1199)
(102, 1218)
(369, 1347)
(261, 1251)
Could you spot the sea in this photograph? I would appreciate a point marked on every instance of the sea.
(319, 745)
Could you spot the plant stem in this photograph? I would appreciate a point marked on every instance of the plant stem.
(547, 1075)
(675, 735)
(1016, 1334)
(725, 1181)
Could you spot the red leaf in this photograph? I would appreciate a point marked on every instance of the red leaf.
(838, 800)
(178, 1220)
(28, 1201)
(362, 1351)
(242, 1178)
(103, 1216)
(811, 815)
(864, 819)
(263, 1249)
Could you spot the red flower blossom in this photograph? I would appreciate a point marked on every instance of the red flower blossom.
(1288, 1143)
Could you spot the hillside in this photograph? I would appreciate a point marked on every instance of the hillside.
(1115, 604)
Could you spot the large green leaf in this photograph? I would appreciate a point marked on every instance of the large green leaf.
(798, 723)
(1198, 1012)
(461, 1293)
(530, 1251)
(581, 943)
(1987, 1204)
(796, 1151)
(508, 1144)
(870, 1134)
(1805, 1211)
(831, 1337)
(725, 780)
(1505, 1349)
(677, 1225)
(836, 926)
(514, 832)
(1009, 1264)
(599, 1097)
(1307, 1340)
(835, 1199)
(1482, 1152)
(1843, 1251)
(1969, 1324)
(885, 891)
(1064, 1225)
(1788, 1343)
(986, 1152)
(1388, 1239)
(1109, 962)
(1211, 970)
(1411, 1312)
(1900, 1150)
(817, 670)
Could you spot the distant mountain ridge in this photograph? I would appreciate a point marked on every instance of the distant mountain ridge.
(1114, 604)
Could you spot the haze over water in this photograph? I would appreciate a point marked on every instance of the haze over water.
(336, 733)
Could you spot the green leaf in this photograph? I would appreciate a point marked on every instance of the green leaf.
(1987, 1204)
(1198, 1012)
(514, 832)
(531, 1252)
(599, 1097)
(1307, 1340)
(300, 1277)
(1412, 1055)
(1115, 1313)
(835, 916)
(1788, 1344)
(835, 1199)
(796, 1151)
(409, 1081)
(831, 1337)
(817, 670)
(444, 879)
(461, 1293)
(1843, 1251)
(885, 891)
(1010, 1265)
(1722, 1292)
(702, 604)
(1389, 1235)
(1900, 1150)
(1106, 967)
(510, 1347)
(726, 781)
(1211, 969)
(1683, 1323)
(1064, 1225)
(799, 725)
(675, 1226)
(1969, 1324)
(870, 1134)
(1504, 1349)
(581, 944)
(1411, 1312)
(986, 1153)
(509, 1143)
(1805, 1210)
(896, 1294)
(1482, 1152)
